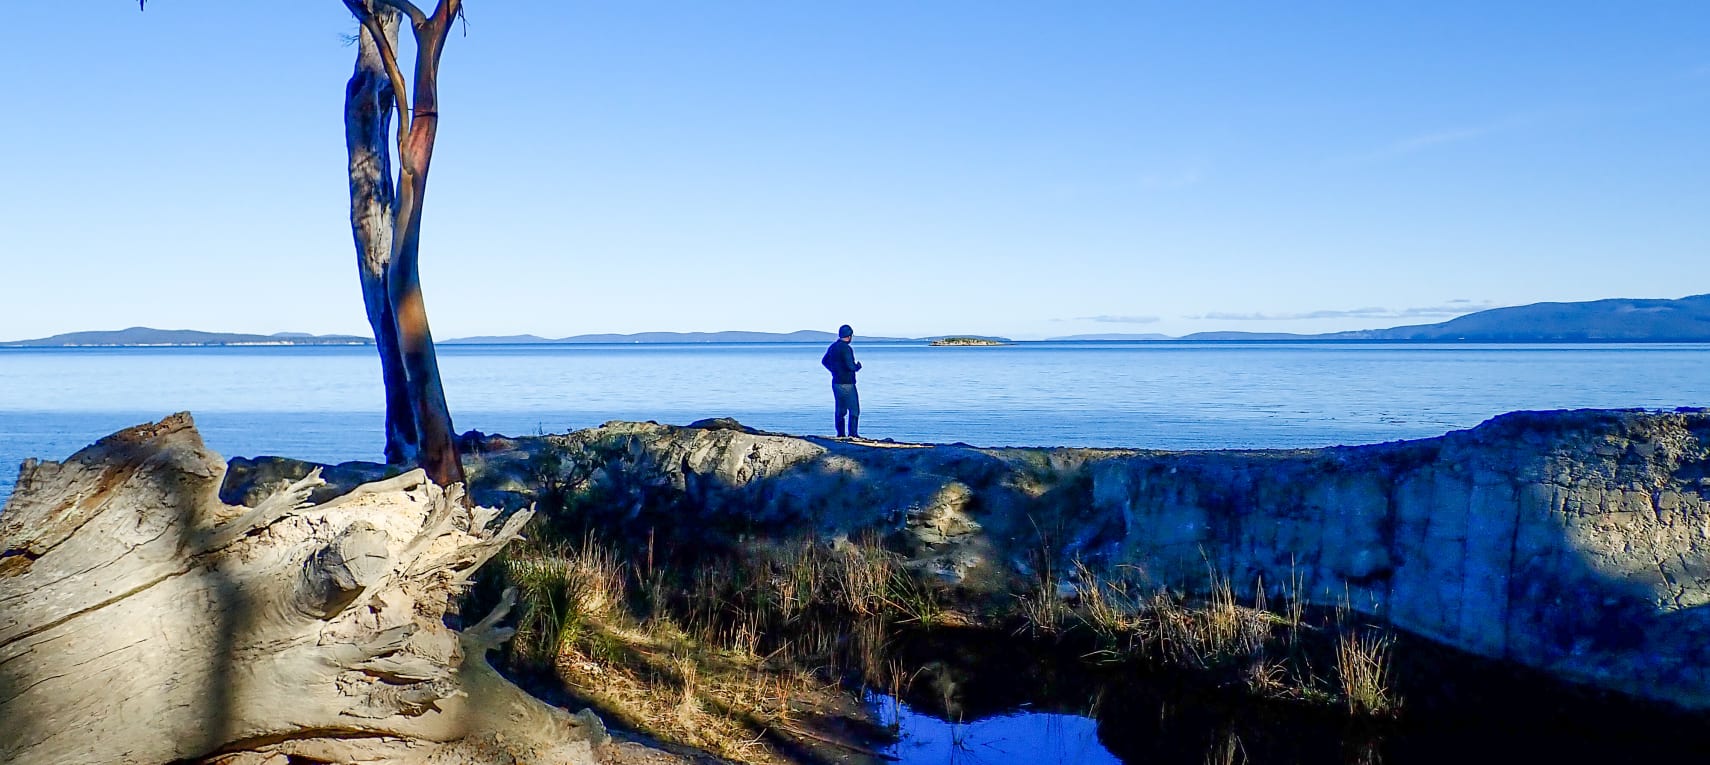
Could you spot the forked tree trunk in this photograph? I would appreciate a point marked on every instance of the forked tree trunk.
(413, 390)
(368, 100)
(143, 621)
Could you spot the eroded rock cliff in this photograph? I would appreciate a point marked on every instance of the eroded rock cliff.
(1573, 542)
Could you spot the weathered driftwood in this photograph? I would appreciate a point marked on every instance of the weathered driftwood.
(143, 621)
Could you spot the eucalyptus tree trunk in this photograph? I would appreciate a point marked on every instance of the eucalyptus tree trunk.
(403, 284)
(385, 221)
(386, 218)
(368, 103)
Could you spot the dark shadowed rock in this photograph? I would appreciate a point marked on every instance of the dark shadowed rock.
(250, 480)
(722, 423)
(1575, 542)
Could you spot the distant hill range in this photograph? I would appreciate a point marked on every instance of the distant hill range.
(1128, 337)
(799, 336)
(802, 336)
(1622, 320)
(1686, 320)
(1625, 320)
(145, 336)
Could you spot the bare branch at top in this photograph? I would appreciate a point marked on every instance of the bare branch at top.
(417, 17)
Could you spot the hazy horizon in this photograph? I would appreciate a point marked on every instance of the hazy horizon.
(443, 338)
(915, 336)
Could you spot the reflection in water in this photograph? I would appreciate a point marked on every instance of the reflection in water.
(992, 698)
(1022, 738)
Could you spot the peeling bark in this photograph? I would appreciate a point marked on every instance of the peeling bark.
(144, 621)
(388, 216)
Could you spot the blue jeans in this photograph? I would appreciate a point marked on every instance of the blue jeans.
(848, 402)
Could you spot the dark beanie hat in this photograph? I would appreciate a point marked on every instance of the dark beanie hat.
(846, 331)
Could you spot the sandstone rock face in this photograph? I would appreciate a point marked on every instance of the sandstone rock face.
(1573, 542)
(1577, 543)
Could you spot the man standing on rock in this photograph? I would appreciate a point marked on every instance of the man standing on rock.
(840, 359)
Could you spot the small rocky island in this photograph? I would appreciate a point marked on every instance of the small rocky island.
(973, 341)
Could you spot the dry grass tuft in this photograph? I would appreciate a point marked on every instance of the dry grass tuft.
(1042, 612)
(1363, 668)
(1112, 609)
(726, 657)
(1214, 634)
(736, 656)
(1226, 750)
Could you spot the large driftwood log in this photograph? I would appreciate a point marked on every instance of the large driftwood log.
(143, 621)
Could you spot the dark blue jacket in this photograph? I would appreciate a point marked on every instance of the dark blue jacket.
(840, 359)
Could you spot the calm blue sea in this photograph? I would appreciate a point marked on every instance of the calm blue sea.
(325, 403)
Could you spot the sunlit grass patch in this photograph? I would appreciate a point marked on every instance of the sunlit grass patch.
(1363, 671)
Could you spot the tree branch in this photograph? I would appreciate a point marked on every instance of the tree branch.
(417, 18)
(434, 29)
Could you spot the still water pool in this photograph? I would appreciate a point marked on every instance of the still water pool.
(1022, 737)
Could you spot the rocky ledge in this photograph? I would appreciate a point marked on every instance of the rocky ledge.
(1573, 542)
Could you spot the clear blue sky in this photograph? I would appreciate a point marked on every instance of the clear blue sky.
(1027, 169)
